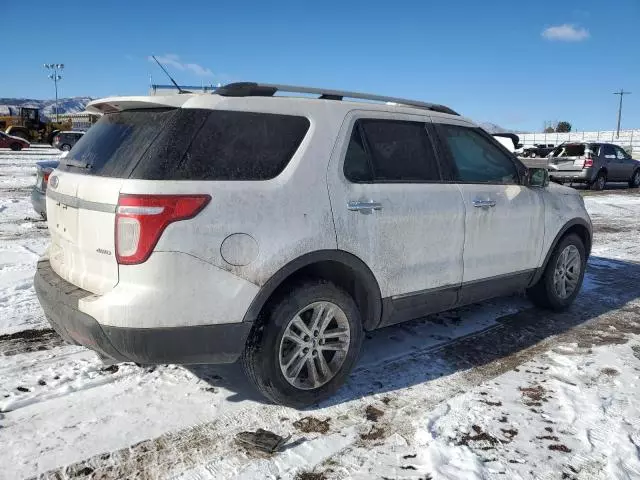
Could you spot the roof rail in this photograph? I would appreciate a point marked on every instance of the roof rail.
(251, 89)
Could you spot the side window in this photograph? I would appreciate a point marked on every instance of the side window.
(390, 151)
(607, 151)
(476, 158)
(357, 162)
(621, 154)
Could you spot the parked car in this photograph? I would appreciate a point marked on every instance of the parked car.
(14, 143)
(39, 190)
(66, 140)
(593, 164)
(538, 151)
(277, 230)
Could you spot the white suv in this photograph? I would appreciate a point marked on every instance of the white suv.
(205, 228)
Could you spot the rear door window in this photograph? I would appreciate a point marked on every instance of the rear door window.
(608, 151)
(569, 150)
(476, 159)
(390, 151)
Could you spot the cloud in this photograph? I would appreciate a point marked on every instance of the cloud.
(173, 60)
(566, 33)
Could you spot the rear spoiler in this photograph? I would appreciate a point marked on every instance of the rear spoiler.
(119, 104)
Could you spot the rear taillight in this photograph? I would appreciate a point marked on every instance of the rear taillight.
(45, 176)
(588, 161)
(141, 219)
(57, 139)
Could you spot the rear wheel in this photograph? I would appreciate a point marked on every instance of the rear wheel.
(634, 182)
(305, 345)
(562, 278)
(599, 182)
(16, 147)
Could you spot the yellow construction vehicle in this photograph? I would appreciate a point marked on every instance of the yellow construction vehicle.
(25, 122)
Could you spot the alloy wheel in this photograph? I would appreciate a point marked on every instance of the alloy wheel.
(314, 345)
(567, 272)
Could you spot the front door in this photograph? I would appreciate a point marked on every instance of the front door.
(504, 224)
(627, 165)
(392, 210)
(615, 167)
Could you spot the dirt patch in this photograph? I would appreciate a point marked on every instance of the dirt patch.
(111, 369)
(312, 425)
(373, 414)
(533, 396)
(497, 403)
(636, 351)
(481, 440)
(311, 476)
(610, 372)
(376, 433)
(509, 432)
(29, 341)
(552, 438)
(559, 448)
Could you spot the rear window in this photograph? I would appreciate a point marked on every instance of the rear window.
(569, 150)
(188, 144)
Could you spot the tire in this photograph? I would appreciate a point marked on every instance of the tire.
(600, 181)
(65, 148)
(267, 348)
(544, 293)
(16, 147)
(533, 155)
(634, 181)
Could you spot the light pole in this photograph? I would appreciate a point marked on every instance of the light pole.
(622, 93)
(55, 76)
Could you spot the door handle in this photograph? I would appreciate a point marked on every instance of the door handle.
(364, 207)
(484, 203)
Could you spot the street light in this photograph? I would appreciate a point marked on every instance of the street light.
(55, 76)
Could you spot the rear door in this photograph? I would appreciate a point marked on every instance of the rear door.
(614, 166)
(393, 211)
(504, 222)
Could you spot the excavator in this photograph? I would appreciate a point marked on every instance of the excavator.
(25, 122)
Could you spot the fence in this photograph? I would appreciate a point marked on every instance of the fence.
(627, 138)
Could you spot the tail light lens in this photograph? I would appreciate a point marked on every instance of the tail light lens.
(588, 161)
(57, 139)
(45, 176)
(141, 219)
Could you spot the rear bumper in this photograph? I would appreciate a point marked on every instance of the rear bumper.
(221, 343)
(577, 176)
(39, 201)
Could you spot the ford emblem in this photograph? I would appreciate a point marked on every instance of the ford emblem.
(53, 181)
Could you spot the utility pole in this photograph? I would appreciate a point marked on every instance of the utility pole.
(55, 76)
(621, 93)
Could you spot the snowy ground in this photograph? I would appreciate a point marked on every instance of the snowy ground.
(495, 390)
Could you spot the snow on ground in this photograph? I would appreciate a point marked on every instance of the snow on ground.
(23, 238)
(495, 390)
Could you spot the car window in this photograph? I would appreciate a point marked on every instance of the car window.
(357, 162)
(476, 159)
(621, 154)
(608, 151)
(594, 148)
(569, 150)
(395, 150)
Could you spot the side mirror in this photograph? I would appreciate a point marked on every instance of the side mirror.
(537, 177)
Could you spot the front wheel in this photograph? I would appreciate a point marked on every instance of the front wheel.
(562, 278)
(16, 147)
(634, 182)
(304, 347)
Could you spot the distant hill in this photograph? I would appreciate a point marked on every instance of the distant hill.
(47, 107)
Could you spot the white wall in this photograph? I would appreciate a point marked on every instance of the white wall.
(627, 137)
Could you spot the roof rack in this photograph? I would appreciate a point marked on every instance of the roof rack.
(251, 89)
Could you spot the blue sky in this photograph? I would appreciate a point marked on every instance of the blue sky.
(513, 63)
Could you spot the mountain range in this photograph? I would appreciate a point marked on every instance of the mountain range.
(47, 107)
